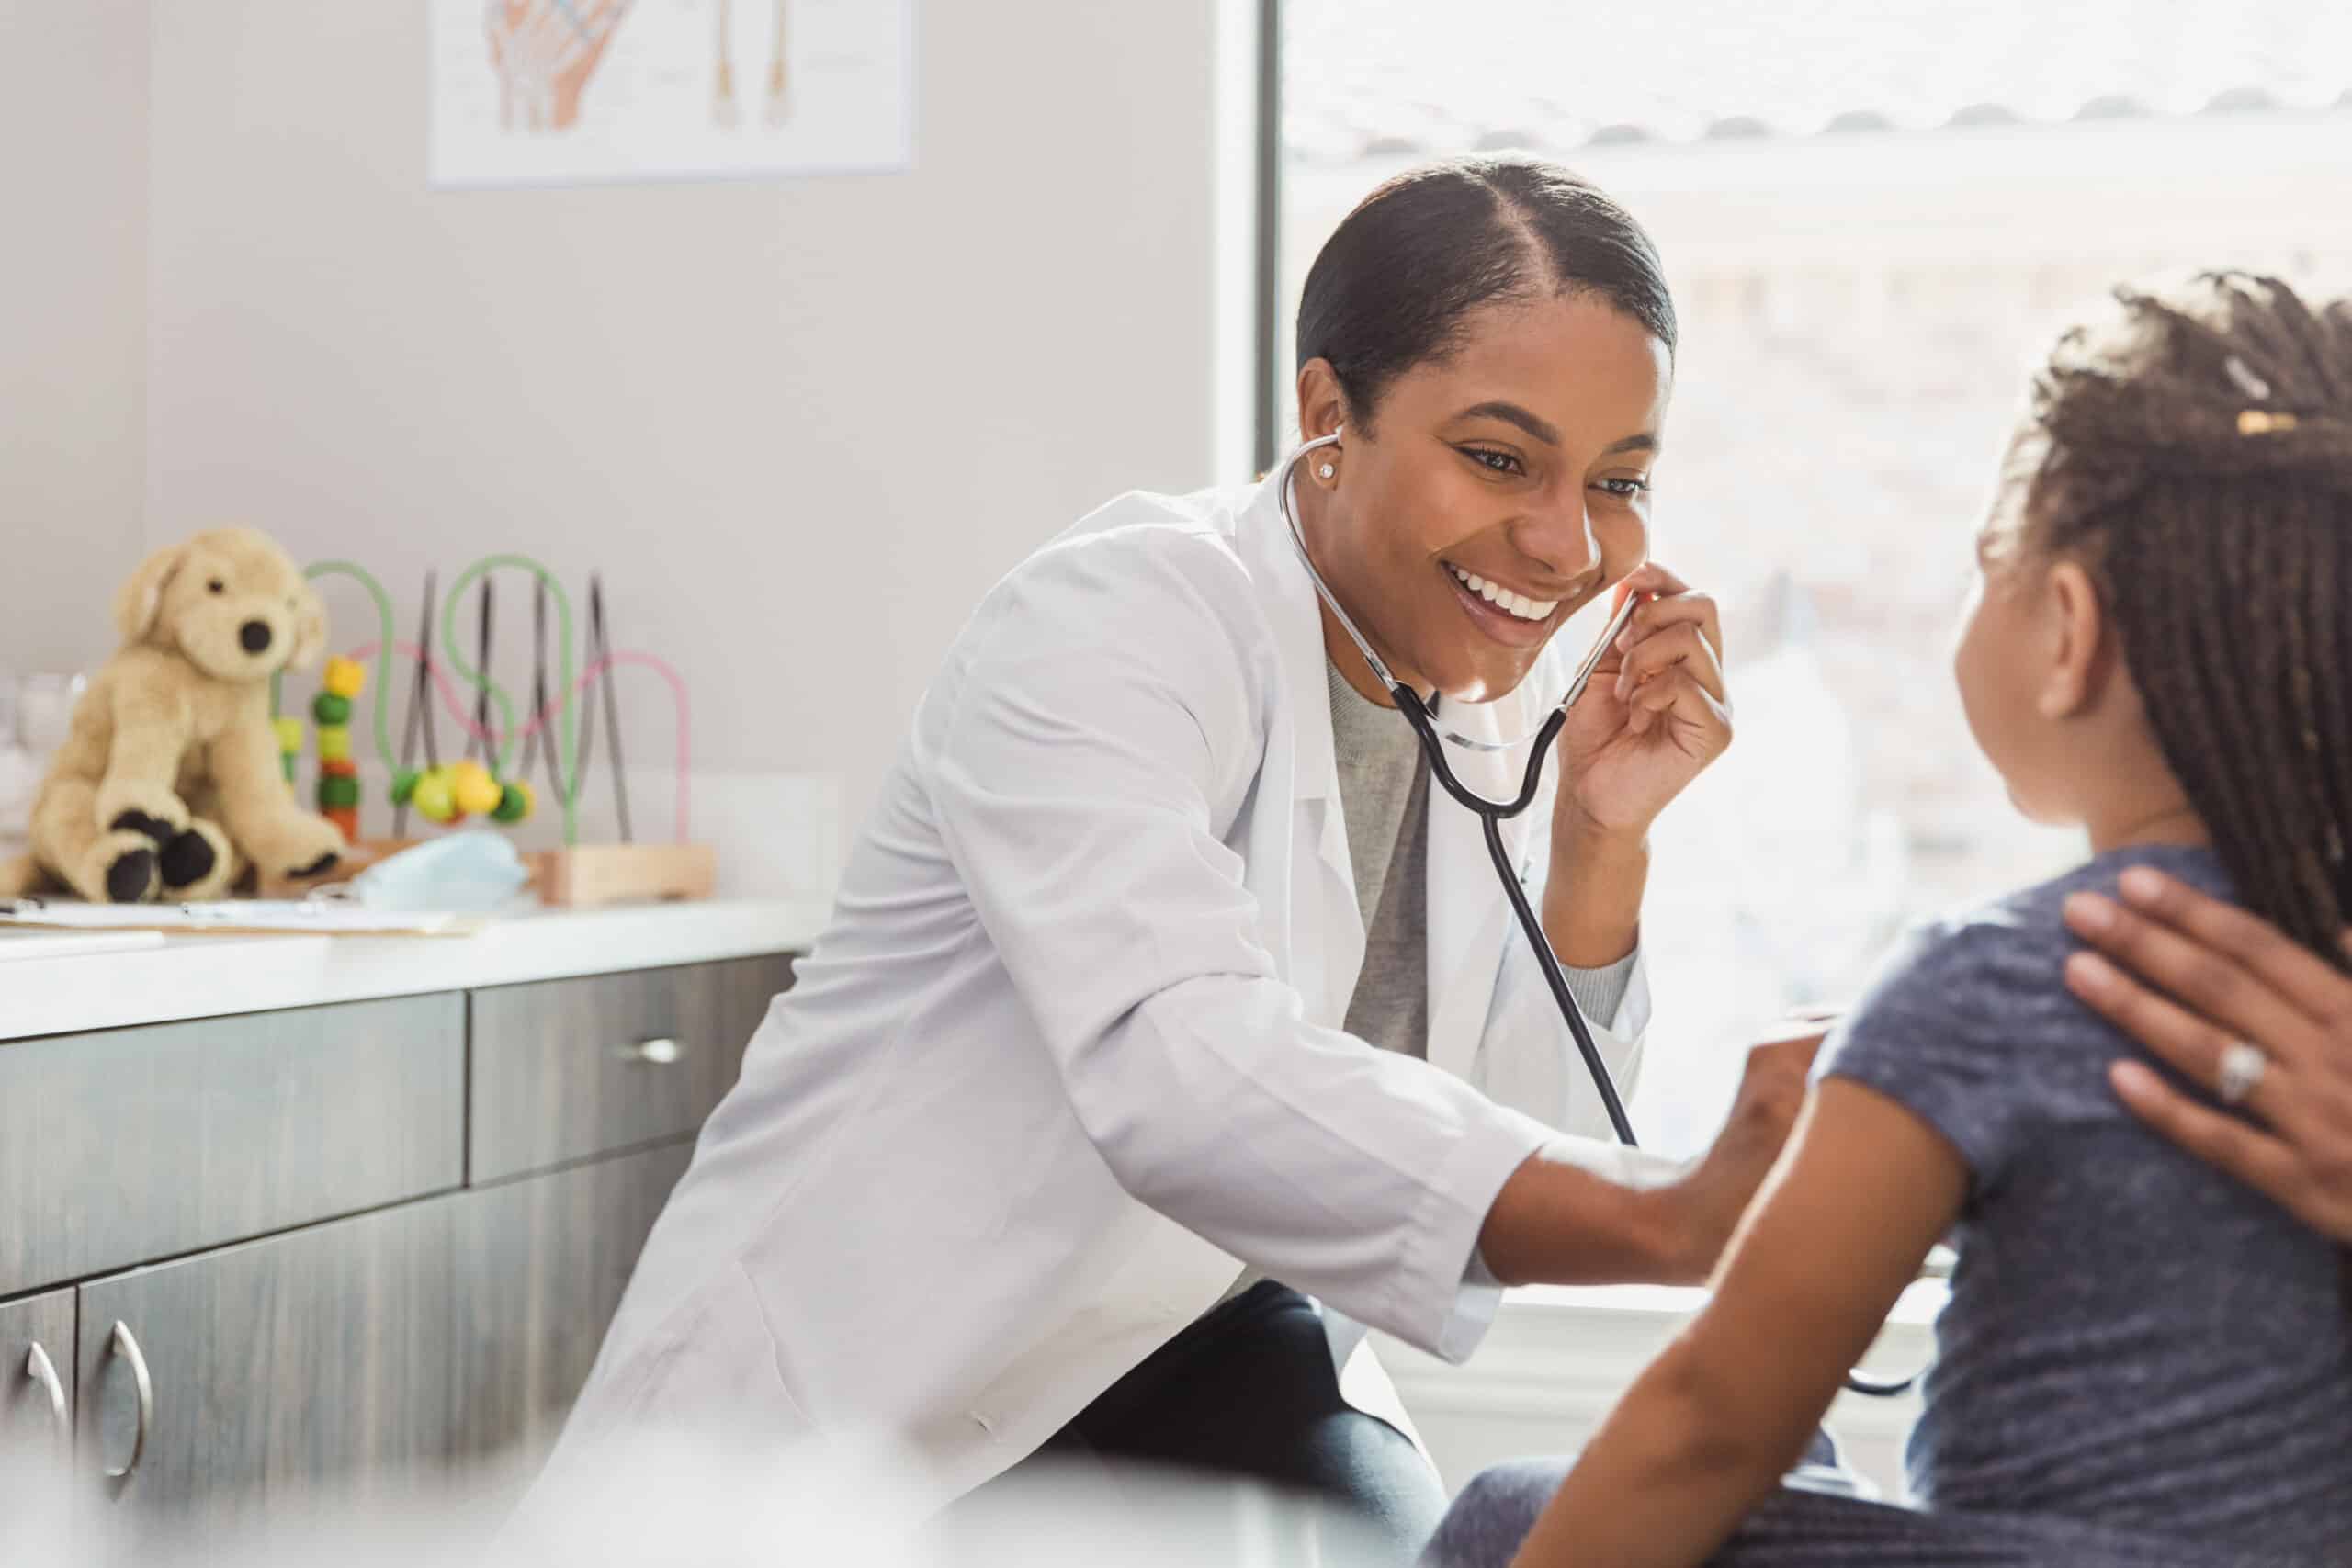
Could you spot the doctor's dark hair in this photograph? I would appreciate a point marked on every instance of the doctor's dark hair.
(2193, 449)
(1394, 285)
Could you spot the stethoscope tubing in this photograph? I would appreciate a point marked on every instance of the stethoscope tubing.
(1491, 815)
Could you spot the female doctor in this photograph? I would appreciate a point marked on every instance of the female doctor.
(1165, 1000)
(1170, 1028)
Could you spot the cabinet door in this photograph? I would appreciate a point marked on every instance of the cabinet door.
(360, 1359)
(546, 1260)
(312, 1362)
(37, 1377)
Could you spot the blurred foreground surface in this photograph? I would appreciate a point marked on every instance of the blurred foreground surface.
(678, 1501)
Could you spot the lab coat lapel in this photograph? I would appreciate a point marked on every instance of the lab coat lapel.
(1326, 930)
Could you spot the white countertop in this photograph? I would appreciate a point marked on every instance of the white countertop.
(207, 976)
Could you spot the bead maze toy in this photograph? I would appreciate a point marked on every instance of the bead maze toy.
(487, 781)
(338, 791)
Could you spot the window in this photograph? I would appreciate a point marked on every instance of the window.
(1874, 214)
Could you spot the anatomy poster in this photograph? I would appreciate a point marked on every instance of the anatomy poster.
(572, 91)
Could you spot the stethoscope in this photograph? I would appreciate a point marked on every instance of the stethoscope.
(1493, 814)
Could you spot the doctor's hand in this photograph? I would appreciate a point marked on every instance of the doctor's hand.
(1708, 1202)
(1653, 716)
(1560, 1221)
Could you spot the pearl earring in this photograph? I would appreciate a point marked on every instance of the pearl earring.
(1326, 470)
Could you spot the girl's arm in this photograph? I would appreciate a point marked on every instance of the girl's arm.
(1864, 1191)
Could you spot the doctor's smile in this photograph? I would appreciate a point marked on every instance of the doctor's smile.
(1525, 486)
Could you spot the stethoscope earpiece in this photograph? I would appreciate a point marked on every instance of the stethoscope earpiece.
(1326, 469)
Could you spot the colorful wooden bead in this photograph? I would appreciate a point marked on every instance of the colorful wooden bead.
(345, 769)
(432, 797)
(514, 802)
(289, 744)
(476, 791)
(335, 793)
(334, 743)
(328, 708)
(346, 678)
(346, 821)
(404, 784)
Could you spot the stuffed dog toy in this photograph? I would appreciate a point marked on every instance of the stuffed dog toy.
(170, 782)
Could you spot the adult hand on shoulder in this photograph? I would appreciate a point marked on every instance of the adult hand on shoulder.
(2204, 975)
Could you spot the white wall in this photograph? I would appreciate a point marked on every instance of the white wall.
(73, 322)
(798, 425)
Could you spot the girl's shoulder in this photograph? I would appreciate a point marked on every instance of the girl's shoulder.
(1970, 1022)
(2020, 941)
(2043, 904)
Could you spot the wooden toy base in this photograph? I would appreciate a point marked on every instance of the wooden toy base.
(585, 875)
(579, 876)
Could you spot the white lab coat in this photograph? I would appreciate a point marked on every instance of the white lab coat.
(1070, 1051)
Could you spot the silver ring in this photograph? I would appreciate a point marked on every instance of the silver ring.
(2243, 1066)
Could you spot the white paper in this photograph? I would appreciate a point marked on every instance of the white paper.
(321, 916)
(577, 91)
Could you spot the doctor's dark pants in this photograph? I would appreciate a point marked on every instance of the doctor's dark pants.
(1247, 1391)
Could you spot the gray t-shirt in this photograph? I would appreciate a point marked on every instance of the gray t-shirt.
(1383, 797)
(2133, 1339)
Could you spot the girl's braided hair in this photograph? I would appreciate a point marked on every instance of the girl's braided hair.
(2195, 450)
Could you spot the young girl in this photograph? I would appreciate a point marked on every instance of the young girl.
(2142, 1362)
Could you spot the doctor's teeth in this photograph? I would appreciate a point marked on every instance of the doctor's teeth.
(1518, 605)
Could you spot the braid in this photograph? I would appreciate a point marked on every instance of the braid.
(2200, 457)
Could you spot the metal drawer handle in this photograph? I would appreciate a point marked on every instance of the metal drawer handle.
(658, 1052)
(123, 1345)
(38, 1368)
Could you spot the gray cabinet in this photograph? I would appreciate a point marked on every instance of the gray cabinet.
(393, 1318)
(356, 1360)
(564, 1069)
(37, 1377)
(136, 1144)
(545, 1260)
